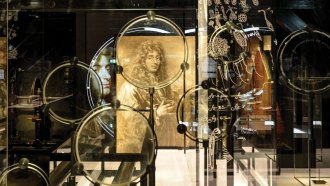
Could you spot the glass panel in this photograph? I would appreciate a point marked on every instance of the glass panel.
(114, 146)
(241, 65)
(305, 70)
(69, 91)
(66, 62)
(201, 111)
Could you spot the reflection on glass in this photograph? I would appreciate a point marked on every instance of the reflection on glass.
(67, 91)
(103, 63)
(102, 67)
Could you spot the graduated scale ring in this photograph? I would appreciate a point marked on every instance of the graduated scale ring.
(29, 170)
(68, 90)
(118, 158)
(151, 51)
(304, 61)
(201, 110)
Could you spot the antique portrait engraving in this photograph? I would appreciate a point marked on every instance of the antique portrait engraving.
(149, 62)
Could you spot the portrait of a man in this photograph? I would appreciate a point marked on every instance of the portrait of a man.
(102, 67)
(147, 62)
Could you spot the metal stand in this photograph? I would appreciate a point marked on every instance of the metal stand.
(70, 80)
(71, 180)
(205, 146)
(152, 170)
(311, 140)
(149, 179)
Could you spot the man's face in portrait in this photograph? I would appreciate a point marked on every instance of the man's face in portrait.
(152, 61)
(102, 68)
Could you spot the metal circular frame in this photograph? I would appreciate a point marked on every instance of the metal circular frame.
(67, 64)
(168, 22)
(281, 50)
(30, 166)
(188, 92)
(90, 115)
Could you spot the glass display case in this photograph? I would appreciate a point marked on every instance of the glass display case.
(102, 92)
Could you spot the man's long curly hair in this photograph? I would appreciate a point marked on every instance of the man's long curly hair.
(137, 69)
